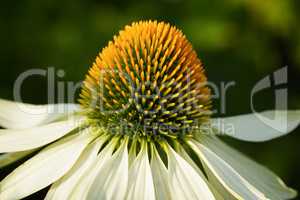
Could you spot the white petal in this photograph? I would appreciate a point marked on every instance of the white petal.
(63, 188)
(230, 179)
(20, 140)
(17, 115)
(9, 158)
(185, 155)
(140, 185)
(111, 181)
(84, 184)
(258, 127)
(132, 152)
(257, 175)
(44, 168)
(160, 177)
(184, 181)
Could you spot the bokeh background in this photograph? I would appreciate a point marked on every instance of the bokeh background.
(237, 40)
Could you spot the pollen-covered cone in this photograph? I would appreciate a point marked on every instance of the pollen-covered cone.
(142, 131)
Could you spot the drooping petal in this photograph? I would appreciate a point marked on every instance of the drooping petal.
(132, 152)
(258, 127)
(44, 168)
(111, 181)
(63, 188)
(16, 115)
(185, 182)
(247, 170)
(84, 184)
(140, 184)
(185, 155)
(160, 177)
(9, 158)
(231, 180)
(21, 140)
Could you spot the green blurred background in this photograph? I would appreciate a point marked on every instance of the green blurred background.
(237, 40)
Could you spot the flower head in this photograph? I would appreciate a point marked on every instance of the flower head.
(137, 133)
(150, 80)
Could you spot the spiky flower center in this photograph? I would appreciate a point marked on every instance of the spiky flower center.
(148, 82)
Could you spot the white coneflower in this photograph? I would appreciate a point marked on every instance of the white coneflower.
(138, 133)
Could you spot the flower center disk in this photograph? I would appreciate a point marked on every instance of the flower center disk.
(148, 82)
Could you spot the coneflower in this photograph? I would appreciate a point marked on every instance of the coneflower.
(142, 131)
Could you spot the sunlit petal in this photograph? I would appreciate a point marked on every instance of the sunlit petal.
(84, 184)
(258, 127)
(184, 181)
(111, 180)
(140, 178)
(255, 174)
(21, 140)
(15, 115)
(63, 188)
(160, 177)
(44, 168)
